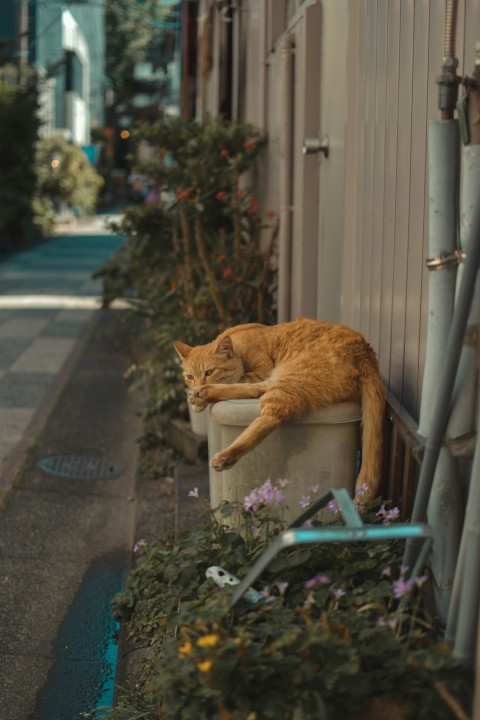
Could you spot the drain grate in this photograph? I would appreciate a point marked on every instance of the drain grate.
(80, 467)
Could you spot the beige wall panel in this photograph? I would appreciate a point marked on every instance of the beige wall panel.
(390, 186)
(396, 56)
(368, 88)
(256, 54)
(305, 170)
(333, 113)
(403, 176)
(418, 180)
(355, 162)
(378, 185)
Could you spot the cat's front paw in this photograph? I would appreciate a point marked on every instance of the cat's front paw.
(196, 400)
(221, 461)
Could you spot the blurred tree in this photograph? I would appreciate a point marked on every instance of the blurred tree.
(19, 131)
(133, 30)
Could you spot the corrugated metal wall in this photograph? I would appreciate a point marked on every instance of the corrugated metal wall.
(363, 212)
(397, 53)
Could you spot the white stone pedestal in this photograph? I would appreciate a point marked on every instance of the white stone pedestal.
(319, 449)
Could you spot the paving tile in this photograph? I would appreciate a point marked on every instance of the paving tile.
(63, 329)
(10, 350)
(44, 355)
(74, 315)
(21, 327)
(6, 447)
(23, 389)
(14, 422)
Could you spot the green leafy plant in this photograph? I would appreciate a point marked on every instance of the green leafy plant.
(329, 637)
(198, 256)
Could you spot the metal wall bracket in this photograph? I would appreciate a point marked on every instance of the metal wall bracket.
(445, 260)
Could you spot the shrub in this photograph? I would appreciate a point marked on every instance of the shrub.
(19, 126)
(65, 178)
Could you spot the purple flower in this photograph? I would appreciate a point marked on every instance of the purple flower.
(139, 544)
(391, 622)
(308, 523)
(265, 593)
(337, 592)
(314, 488)
(361, 489)
(282, 482)
(333, 506)
(267, 494)
(193, 493)
(304, 501)
(387, 572)
(319, 579)
(401, 587)
(282, 587)
(388, 515)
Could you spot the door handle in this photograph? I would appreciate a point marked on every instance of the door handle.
(312, 146)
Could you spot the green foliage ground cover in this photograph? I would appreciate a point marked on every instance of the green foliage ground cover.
(339, 632)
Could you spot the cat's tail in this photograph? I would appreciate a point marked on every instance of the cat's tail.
(373, 412)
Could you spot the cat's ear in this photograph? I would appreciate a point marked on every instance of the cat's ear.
(183, 350)
(225, 347)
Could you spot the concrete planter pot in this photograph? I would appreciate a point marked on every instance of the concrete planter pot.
(318, 449)
(198, 421)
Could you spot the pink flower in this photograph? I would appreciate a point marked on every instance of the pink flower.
(193, 493)
(139, 544)
(282, 587)
(319, 579)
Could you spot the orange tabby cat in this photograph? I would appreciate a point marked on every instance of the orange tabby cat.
(294, 368)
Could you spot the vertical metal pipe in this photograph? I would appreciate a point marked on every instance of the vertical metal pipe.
(446, 379)
(443, 175)
(445, 511)
(462, 419)
(286, 168)
(466, 630)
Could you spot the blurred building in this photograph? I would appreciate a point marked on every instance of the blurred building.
(67, 46)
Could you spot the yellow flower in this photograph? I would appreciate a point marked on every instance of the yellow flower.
(208, 640)
(205, 666)
(185, 648)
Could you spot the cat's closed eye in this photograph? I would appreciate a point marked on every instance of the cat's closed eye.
(189, 377)
(209, 372)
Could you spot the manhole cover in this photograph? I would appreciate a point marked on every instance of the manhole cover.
(80, 467)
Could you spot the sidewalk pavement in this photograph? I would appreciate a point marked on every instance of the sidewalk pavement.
(47, 298)
(71, 504)
(66, 528)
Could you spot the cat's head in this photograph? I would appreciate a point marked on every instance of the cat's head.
(216, 362)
